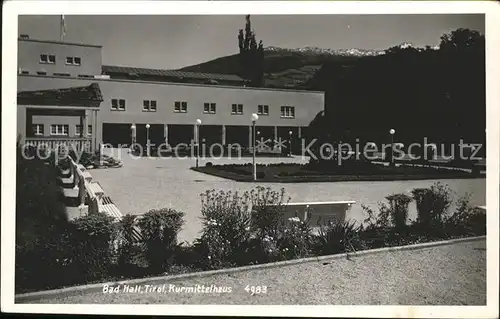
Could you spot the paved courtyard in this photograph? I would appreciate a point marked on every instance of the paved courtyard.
(147, 183)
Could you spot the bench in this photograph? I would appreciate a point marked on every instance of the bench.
(317, 213)
(107, 207)
(111, 210)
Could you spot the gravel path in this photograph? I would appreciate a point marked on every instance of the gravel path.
(143, 184)
(444, 275)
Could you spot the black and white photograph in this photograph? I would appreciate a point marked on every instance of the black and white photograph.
(259, 158)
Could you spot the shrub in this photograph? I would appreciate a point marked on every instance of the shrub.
(127, 249)
(295, 241)
(45, 263)
(338, 237)
(268, 210)
(376, 228)
(226, 228)
(159, 229)
(466, 220)
(432, 205)
(92, 238)
(397, 210)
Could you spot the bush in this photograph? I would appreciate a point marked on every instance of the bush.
(226, 228)
(40, 219)
(397, 210)
(432, 205)
(127, 253)
(159, 229)
(466, 220)
(92, 238)
(295, 241)
(338, 237)
(267, 210)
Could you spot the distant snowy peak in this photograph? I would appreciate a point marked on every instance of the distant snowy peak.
(406, 45)
(344, 52)
(321, 51)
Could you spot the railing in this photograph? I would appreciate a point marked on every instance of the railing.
(76, 144)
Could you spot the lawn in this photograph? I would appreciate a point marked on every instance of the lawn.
(292, 172)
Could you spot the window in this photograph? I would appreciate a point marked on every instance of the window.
(37, 129)
(117, 104)
(209, 108)
(61, 74)
(149, 106)
(59, 129)
(47, 58)
(73, 60)
(263, 110)
(288, 111)
(78, 129)
(85, 76)
(237, 109)
(180, 107)
(41, 73)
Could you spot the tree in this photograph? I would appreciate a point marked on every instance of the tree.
(251, 55)
(462, 39)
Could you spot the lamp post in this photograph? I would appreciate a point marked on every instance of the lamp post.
(147, 139)
(197, 141)
(392, 131)
(255, 117)
(132, 135)
(290, 142)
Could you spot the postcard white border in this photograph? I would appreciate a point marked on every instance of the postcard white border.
(9, 68)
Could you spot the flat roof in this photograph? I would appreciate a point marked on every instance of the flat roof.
(60, 42)
(170, 83)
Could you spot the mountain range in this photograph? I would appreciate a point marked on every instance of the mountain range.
(291, 68)
(322, 51)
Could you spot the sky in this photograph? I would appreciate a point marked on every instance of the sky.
(172, 42)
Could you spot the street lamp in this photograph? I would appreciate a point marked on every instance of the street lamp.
(392, 131)
(132, 129)
(197, 141)
(255, 117)
(147, 139)
(290, 142)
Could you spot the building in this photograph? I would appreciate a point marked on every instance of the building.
(66, 94)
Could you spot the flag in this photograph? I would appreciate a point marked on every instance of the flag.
(63, 27)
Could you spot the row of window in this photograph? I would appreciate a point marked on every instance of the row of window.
(59, 130)
(87, 76)
(208, 108)
(51, 59)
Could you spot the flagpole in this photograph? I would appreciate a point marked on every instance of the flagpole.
(62, 28)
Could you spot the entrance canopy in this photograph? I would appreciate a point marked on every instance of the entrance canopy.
(82, 96)
(82, 102)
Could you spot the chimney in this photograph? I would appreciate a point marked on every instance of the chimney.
(24, 36)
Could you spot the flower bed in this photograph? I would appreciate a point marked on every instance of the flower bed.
(95, 249)
(286, 172)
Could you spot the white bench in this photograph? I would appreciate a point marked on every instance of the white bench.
(318, 213)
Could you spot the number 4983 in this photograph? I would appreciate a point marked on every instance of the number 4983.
(255, 290)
